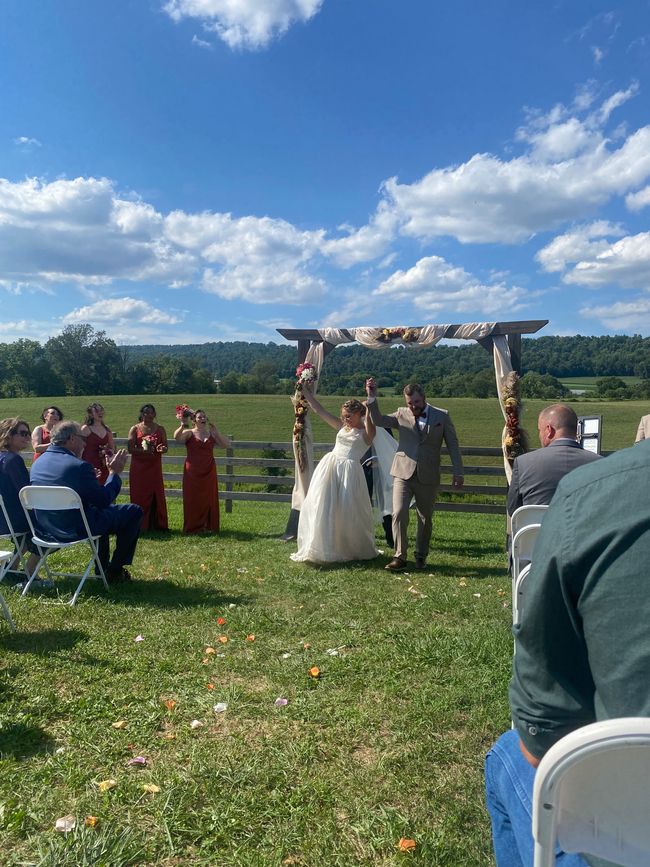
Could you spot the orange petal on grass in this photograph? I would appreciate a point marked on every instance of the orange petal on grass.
(223, 639)
(91, 821)
(169, 736)
(209, 686)
(221, 621)
(170, 704)
(120, 724)
(210, 651)
(406, 844)
(250, 637)
(306, 645)
(314, 671)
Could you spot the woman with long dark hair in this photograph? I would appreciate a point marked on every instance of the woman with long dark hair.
(99, 446)
(50, 416)
(147, 443)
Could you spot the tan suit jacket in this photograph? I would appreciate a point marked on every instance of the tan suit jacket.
(418, 452)
(643, 432)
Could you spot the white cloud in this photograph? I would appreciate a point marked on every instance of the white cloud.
(433, 285)
(26, 142)
(121, 311)
(366, 243)
(264, 284)
(625, 263)
(569, 170)
(577, 244)
(245, 23)
(201, 43)
(627, 316)
(637, 201)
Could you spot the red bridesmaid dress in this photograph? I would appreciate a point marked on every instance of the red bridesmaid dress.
(146, 486)
(200, 494)
(94, 455)
(45, 439)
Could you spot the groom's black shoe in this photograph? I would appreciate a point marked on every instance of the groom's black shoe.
(420, 563)
(396, 565)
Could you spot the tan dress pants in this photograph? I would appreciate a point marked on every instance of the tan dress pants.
(404, 490)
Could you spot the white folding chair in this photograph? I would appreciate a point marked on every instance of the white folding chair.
(525, 515)
(19, 555)
(517, 596)
(53, 498)
(523, 543)
(592, 794)
(6, 559)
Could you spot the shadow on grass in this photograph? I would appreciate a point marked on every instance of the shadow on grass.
(44, 642)
(165, 594)
(21, 741)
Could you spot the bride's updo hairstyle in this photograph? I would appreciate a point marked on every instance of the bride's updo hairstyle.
(352, 406)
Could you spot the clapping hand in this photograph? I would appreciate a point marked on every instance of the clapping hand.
(117, 462)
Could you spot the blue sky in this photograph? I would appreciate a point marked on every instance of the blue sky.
(177, 171)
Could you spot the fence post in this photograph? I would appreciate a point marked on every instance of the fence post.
(229, 470)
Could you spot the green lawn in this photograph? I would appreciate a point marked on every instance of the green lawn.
(270, 417)
(387, 743)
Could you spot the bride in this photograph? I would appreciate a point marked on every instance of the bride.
(336, 520)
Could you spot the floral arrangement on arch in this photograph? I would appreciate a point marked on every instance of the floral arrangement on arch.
(405, 335)
(305, 373)
(515, 439)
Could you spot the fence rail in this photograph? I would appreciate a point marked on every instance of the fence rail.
(240, 467)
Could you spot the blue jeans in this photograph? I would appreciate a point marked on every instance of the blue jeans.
(509, 796)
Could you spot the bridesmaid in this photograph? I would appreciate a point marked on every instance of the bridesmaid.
(99, 441)
(50, 416)
(200, 493)
(147, 443)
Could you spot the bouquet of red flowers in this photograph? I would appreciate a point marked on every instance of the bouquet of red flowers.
(183, 412)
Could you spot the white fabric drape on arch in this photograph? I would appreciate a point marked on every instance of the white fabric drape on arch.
(429, 335)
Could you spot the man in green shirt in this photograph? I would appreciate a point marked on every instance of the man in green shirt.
(583, 648)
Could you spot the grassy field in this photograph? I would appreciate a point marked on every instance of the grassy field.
(386, 743)
(270, 417)
(588, 383)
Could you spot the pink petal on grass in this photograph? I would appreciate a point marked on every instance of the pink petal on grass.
(137, 762)
(281, 702)
(139, 638)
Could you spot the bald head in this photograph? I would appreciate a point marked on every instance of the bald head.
(557, 421)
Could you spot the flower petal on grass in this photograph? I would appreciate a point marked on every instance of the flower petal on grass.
(221, 621)
(209, 686)
(65, 824)
(314, 671)
(210, 651)
(106, 785)
(462, 583)
(220, 707)
(223, 639)
(139, 638)
(91, 821)
(406, 844)
(151, 788)
(196, 724)
(170, 704)
(250, 637)
(285, 656)
(120, 724)
(281, 702)
(137, 762)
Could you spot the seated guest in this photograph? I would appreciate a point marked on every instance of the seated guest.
(536, 474)
(582, 649)
(61, 465)
(41, 433)
(14, 437)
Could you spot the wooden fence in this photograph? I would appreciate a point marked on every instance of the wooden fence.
(241, 476)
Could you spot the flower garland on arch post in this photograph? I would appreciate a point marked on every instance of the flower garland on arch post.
(305, 373)
(515, 438)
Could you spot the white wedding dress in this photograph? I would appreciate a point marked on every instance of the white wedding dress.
(336, 520)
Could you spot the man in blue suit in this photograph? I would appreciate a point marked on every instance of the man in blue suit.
(61, 465)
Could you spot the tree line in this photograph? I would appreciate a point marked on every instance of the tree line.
(82, 360)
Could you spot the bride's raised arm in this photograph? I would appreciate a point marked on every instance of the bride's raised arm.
(320, 410)
(371, 430)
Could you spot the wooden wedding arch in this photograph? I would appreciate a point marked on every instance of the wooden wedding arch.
(501, 339)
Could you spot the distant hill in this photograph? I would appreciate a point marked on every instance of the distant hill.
(558, 356)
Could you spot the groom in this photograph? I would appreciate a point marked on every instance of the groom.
(416, 466)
